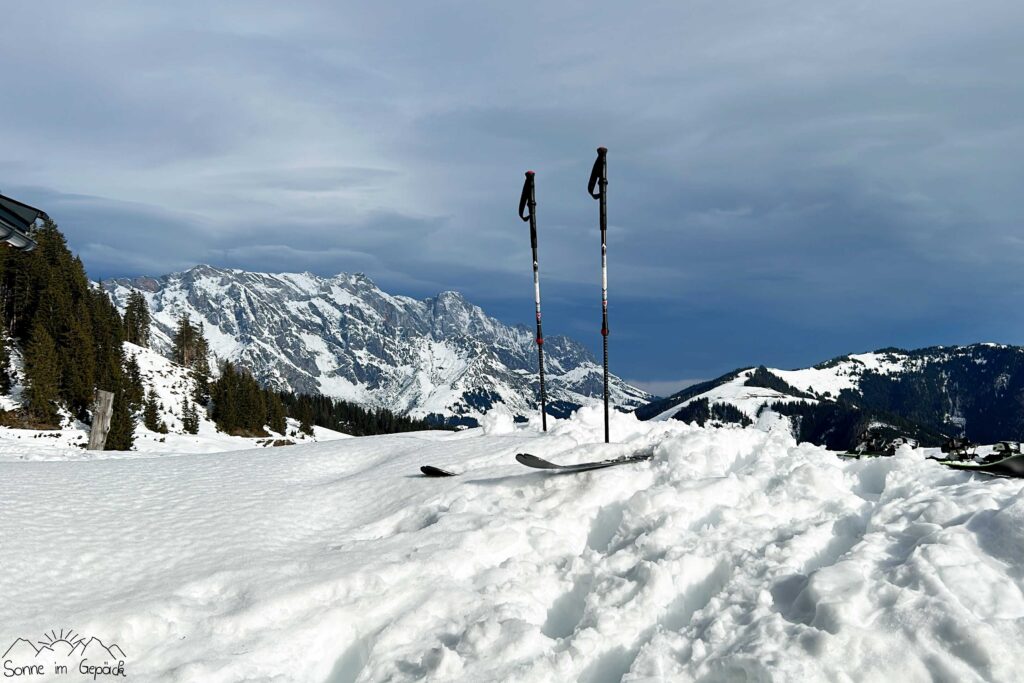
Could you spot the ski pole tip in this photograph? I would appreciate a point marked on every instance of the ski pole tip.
(602, 150)
(530, 173)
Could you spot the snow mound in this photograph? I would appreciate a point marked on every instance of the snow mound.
(498, 421)
(734, 554)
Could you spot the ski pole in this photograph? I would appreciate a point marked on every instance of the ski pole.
(599, 178)
(528, 200)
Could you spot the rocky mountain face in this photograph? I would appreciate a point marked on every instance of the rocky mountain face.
(344, 337)
(975, 391)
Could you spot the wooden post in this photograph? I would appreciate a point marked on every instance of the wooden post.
(102, 407)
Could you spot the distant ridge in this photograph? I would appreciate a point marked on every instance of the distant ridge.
(928, 394)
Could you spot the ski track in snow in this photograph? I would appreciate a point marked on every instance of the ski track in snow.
(735, 554)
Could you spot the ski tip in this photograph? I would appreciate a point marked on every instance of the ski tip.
(532, 460)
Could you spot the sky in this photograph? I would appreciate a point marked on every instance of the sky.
(788, 181)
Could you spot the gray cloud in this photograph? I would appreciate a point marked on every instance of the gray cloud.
(790, 179)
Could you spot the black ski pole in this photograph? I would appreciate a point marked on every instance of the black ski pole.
(528, 200)
(599, 179)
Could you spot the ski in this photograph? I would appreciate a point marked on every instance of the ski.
(1012, 466)
(431, 471)
(531, 460)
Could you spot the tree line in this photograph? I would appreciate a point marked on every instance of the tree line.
(347, 417)
(241, 406)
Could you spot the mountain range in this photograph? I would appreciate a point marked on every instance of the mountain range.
(929, 394)
(344, 337)
(443, 357)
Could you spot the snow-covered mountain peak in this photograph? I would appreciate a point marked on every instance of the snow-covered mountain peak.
(345, 337)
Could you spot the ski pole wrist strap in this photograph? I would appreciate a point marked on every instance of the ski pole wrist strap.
(597, 173)
(526, 199)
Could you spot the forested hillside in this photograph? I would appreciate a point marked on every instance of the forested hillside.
(69, 335)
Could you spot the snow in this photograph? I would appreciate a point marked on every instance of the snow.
(735, 392)
(734, 554)
(831, 380)
(845, 374)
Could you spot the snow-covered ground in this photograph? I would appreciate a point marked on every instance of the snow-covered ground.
(735, 554)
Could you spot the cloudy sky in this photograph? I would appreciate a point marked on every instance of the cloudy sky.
(789, 181)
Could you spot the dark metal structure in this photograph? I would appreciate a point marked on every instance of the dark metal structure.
(16, 219)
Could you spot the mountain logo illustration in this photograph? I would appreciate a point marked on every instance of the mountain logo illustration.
(60, 645)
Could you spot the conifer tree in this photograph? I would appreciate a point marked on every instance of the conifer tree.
(121, 436)
(78, 371)
(5, 356)
(135, 393)
(275, 413)
(201, 367)
(191, 350)
(137, 319)
(42, 376)
(110, 369)
(189, 417)
(184, 342)
(151, 414)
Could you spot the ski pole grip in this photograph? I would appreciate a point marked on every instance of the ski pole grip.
(526, 198)
(597, 173)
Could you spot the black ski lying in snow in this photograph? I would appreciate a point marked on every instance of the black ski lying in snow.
(540, 463)
(1012, 466)
(431, 471)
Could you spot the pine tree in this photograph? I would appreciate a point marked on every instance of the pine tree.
(121, 436)
(189, 417)
(222, 397)
(275, 413)
(108, 333)
(137, 319)
(151, 414)
(78, 371)
(184, 342)
(201, 367)
(135, 393)
(191, 350)
(42, 375)
(5, 355)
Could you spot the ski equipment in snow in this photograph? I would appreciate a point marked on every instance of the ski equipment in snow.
(599, 179)
(1012, 466)
(540, 463)
(431, 471)
(528, 201)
